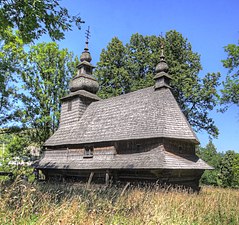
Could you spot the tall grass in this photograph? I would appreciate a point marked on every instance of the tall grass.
(24, 203)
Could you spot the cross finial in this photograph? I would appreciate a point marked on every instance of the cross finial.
(162, 47)
(87, 35)
(162, 51)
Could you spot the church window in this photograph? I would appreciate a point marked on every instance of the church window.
(69, 106)
(180, 149)
(88, 152)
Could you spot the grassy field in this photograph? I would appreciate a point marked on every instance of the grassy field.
(24, 203)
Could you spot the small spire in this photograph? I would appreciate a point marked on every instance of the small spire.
(87, 35)
(162, 58)
(84, 80)
(162, 65)
(85, 56)
(162, 78)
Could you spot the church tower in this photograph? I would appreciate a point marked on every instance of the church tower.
(83, 88)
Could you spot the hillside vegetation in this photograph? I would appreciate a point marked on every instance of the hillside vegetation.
(25, 203)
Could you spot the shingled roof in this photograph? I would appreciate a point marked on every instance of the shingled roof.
(143, 114)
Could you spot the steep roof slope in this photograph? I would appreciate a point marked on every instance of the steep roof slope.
(147, 113)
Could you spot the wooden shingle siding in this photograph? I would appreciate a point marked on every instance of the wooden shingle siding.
(78, 107)
(156, 158)
(179, 147)
(72, 116)
(137, 146)
(76, 154)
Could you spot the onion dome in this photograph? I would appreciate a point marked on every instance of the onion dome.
(162, 78)
(84, 80)
(85, 56)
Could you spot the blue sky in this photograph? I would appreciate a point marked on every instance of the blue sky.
(208, 25)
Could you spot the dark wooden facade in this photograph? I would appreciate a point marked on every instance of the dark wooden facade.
(140, 136)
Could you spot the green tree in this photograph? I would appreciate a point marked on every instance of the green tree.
(235, 170)
(138, 59)
(229, 169)
(4, 140)
(142, 59)
(111, 71)
(33, 18)
(46, 79)
(11, 60)
(14, 152)
(210, 155)
(17, 146)
(230, 91)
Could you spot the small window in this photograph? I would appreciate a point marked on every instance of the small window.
(138, 147)
(180, 149)
(88, 153)
(88, 70)
(69, 106)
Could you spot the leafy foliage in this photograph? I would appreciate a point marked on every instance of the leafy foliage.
(46, 77)
(11, 60)
(230, 91)
(15, 153)
(21, 22)
(226, 166)
(15, 144)
(229, 169)
(33, 18)
(131, 67)
(210, 155)
(111, 71)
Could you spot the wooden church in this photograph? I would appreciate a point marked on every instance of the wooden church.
(139, 136)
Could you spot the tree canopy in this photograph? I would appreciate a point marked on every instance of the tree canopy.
(125, 68)
(230, 91)
(34, 18)
(45, 80)
(226, 166)
(11, 61)
(210, 155)
(229, 174)
(21, 22)
(112, 72)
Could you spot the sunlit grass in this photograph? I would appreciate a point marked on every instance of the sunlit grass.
(24, 203)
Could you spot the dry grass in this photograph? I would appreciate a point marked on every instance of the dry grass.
(23, 203)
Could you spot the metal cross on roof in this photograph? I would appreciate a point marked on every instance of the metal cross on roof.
(162, 40)
(87, 34)
(162, 46)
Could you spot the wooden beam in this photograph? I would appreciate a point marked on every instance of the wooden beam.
(107, 178)
(89, 180)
